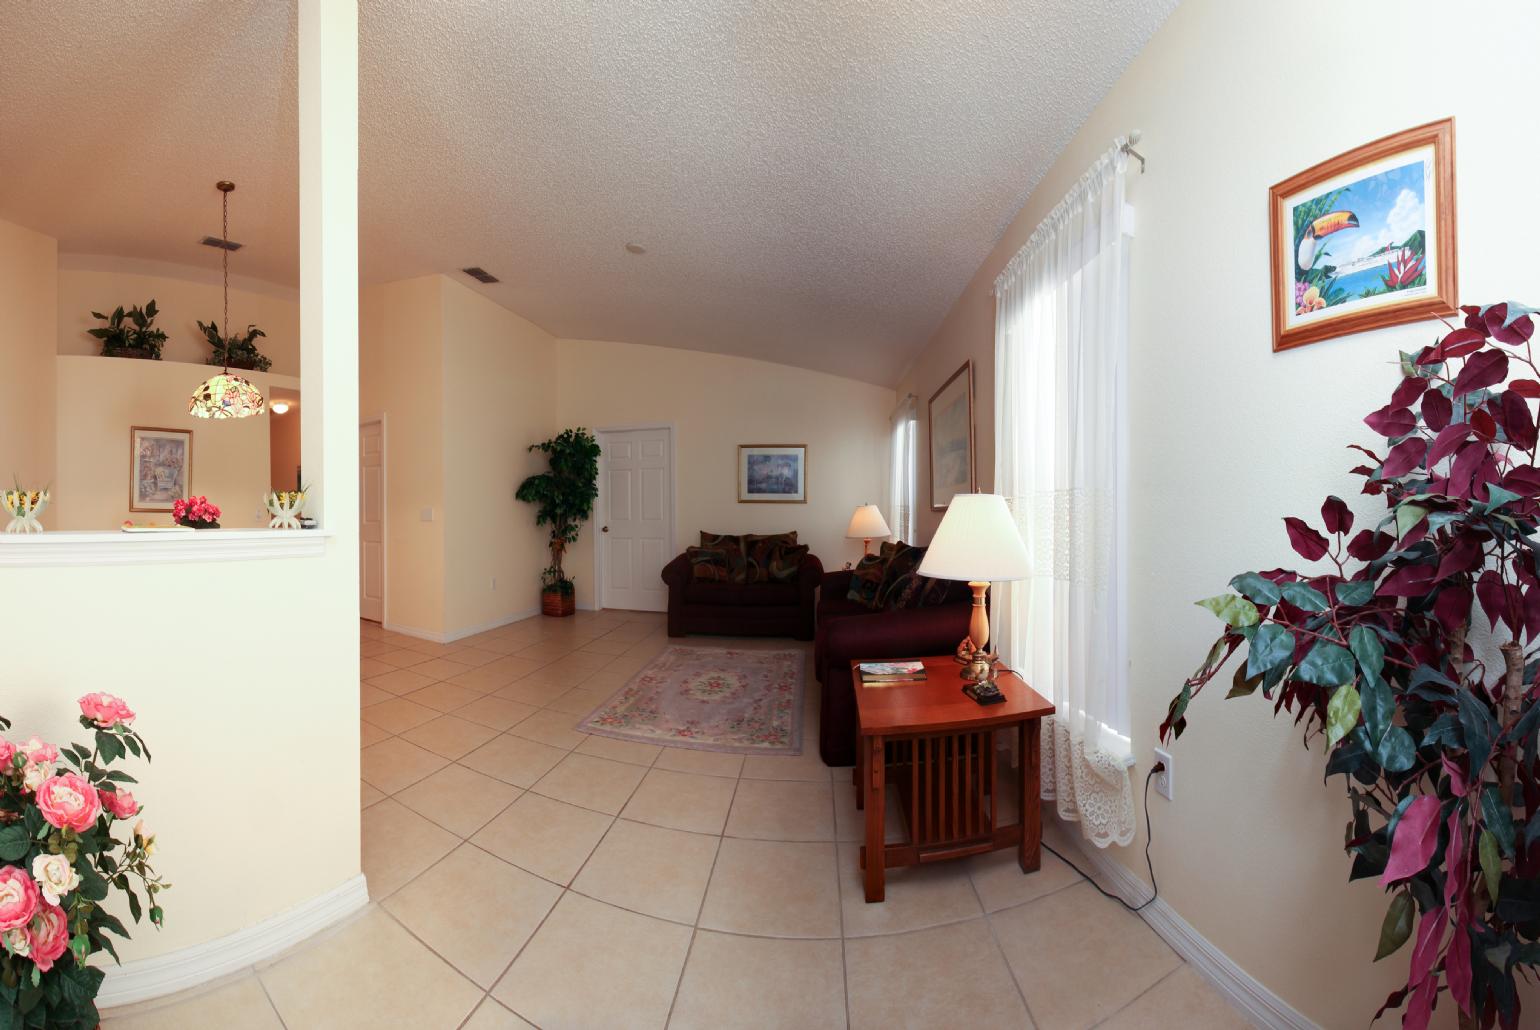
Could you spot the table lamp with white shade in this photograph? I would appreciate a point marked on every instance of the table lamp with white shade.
(866, 525)
(977, 542)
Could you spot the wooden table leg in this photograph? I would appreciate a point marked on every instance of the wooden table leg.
(858, 774)
(876, 854)
(1031, 856)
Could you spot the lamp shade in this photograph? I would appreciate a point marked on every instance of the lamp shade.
(867, 524)
(226, 396)
(977, 542)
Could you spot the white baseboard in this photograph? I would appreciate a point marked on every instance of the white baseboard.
(148, 978)
(1245, 992)
(460, 634)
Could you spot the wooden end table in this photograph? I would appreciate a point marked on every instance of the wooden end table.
(935, 746)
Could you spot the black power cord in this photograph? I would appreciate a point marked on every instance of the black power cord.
(1154, 887)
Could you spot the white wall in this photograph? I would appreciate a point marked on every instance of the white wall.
(401, 377)
(499, 397)
(28, 285)
(1228, 437)
(716, 402)
(230, 458)
(184, 295)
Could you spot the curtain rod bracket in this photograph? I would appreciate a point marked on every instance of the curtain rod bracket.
(1128, 148)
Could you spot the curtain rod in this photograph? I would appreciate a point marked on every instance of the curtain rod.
(1128, 148)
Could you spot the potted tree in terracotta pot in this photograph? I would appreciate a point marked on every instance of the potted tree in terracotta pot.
(564, 498)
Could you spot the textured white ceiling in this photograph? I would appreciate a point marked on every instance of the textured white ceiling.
(815, 182)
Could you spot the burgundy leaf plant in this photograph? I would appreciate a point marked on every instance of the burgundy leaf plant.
(1415, 654)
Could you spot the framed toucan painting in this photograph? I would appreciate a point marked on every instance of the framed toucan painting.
(1366, 239)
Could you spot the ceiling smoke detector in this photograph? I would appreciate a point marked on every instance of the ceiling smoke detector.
(219, 244)
(481, 275)
(635, 248)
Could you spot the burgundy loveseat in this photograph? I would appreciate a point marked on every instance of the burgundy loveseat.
(848, 631)
(774, 609)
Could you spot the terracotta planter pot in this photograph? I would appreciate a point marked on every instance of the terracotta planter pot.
(557, 604)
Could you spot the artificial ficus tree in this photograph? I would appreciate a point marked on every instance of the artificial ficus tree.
(1413, 649)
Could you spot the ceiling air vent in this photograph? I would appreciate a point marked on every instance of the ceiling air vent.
(481, 275)
(215, 241)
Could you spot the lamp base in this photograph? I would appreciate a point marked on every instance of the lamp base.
(984, 693)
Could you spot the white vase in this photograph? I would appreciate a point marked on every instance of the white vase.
(24, 507)
(285, 506)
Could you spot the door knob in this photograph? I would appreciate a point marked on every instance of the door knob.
(604, 529)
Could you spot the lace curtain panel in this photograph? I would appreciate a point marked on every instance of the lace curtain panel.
(1061, 439)
(902, 475)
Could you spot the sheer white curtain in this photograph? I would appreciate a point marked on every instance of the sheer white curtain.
(1061, 441)
(902, 474)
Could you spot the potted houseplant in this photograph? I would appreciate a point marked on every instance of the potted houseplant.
(1413, 651)
(564, 499)
(238, 350)
(195, 513)
(60, 862)
(130, 333)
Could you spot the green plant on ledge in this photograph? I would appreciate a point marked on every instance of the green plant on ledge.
(130, 333)
(564, 497)
(1414, 651)
(236, 350)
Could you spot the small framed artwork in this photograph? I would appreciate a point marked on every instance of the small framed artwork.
(772, 473)
(950, 415)
(159, 467)
(1366, 239)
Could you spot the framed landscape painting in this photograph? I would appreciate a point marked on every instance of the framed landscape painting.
(772, 473)
(950, 415)
(1366, 239)
(160, 467)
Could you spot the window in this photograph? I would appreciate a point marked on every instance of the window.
(906, 430)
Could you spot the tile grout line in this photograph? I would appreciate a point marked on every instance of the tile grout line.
(839, 895)
(1134, 1000)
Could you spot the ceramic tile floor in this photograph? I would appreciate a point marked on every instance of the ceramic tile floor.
(522, 873)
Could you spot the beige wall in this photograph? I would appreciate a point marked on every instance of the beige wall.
(716, 402)
(500, 397)
(28, 327)
(230, 463)
(1229, 437)
(283, 451)
(184, 296)
(401, 377)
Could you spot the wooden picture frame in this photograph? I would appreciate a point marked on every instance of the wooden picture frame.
(1395, 261)
(953, 457)
(772, 473)
(159, 467)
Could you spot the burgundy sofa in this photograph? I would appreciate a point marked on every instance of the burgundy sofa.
(848, 631)
(742, 609)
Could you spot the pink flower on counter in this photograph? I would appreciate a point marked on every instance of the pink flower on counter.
(48, 935)
(7, 756)
(120, 803)
(18, 897)
(69, 802)
(105, 710)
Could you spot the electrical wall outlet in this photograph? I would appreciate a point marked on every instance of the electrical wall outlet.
(1163, 779)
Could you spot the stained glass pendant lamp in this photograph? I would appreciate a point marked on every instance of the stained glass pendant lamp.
(226, 395)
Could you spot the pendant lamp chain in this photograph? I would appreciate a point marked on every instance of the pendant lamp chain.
(225, 186)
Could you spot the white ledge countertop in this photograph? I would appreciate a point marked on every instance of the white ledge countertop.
(115, 547)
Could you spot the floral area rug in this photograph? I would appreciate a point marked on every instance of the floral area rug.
(712, 699)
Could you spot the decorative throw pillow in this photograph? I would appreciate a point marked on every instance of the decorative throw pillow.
(709, 564)
(786, 561)
(903, 587)
(867, 575)
(759, 551)
(731, 546)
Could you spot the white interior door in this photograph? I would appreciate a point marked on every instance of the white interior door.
(636, 518)
(371, 520)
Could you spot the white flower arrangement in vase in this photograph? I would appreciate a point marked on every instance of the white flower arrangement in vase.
(24, 506)
(285, 506)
